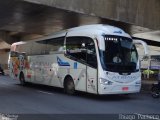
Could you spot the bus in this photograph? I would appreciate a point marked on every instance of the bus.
(99, 59)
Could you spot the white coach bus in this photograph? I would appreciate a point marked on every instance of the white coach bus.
(98, 59)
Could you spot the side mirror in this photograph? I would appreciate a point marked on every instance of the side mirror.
(145, 46)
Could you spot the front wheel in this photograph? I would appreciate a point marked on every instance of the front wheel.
(69, 86)
(22, 79)
(155, 92)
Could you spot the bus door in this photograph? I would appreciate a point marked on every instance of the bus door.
(76, 51)
(82, 51)
(91, 68)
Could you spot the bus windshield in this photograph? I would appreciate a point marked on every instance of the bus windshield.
(120, 54)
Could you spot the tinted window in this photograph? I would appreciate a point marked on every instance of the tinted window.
(55, 45)
(82, 49)
(120, 54)
(43, 47)
(13, 54)
(39, 47)
(91, 55)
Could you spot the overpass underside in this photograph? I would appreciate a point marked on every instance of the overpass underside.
(24, 19)
(138, 12)
(28, 19)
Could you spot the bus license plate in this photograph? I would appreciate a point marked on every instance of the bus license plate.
(125, 88)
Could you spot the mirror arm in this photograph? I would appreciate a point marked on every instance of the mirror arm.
(144, 44)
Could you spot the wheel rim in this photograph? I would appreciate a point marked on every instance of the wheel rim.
(70, 86)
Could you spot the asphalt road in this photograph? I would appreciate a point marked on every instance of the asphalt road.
(38, 99)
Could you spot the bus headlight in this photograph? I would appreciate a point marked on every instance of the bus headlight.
(105, 81)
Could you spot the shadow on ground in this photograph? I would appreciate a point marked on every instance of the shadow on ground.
(56, 90)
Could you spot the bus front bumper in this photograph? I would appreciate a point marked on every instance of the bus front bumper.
(119, 89)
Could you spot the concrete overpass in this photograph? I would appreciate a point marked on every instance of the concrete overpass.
(27, 19)
(137, 12)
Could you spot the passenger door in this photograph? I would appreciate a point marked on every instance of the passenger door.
(91, 68)
(76, 51)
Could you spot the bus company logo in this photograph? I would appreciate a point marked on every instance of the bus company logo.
(125, 74)
(62, 63)
(119, 32)
(124, 77)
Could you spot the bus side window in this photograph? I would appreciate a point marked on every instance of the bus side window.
(39, 47)
(76, 48)
(55, 45)
(82, 49)
(91, 55)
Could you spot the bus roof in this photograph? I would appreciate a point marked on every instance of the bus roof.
(99, 29)
(86, 30)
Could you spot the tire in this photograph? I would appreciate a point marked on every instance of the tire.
(155, 92)
(69, 86)
(22, 79)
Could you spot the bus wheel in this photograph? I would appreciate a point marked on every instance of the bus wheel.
(69, 87)
(22, 79)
